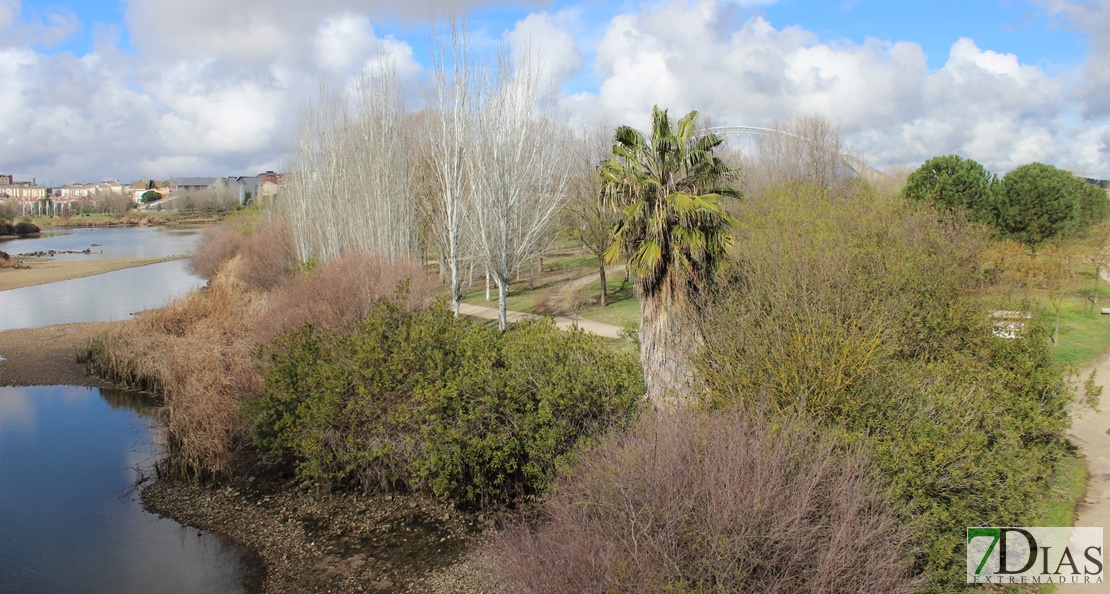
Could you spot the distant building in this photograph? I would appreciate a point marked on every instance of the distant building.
(246, 187)
(184, 185)
(1102, 183)
(149, 184)
(24, 191)
(273, 178)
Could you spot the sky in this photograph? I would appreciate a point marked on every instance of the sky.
(134, 89)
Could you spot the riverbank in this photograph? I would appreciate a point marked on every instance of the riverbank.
(42, 271)
(128, 220)
(310, 539)
(46, 356)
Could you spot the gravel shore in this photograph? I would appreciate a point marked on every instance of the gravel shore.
(312, 540)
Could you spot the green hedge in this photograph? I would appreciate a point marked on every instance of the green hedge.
(424, 401)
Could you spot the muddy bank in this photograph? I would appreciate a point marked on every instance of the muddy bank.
(48, 271)
(47, 356)
(315, 541)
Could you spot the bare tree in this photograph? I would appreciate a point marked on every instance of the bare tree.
(351, 180)
(806, 148)
(1098, 255)
(447, 140)
(518, 174)
(592, 215)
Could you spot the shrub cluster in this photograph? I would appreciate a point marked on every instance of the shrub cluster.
(205, 344)
(339, 293)
(733, 502)
(20, 228)
(216, 246)
(260, 252)
(423, 401)
(865, 314)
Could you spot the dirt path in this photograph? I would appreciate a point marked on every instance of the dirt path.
(490, 313)
(1090, 432)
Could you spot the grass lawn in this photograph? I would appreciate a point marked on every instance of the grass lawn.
(1059, 504)
(622, 307)
(1084, 332)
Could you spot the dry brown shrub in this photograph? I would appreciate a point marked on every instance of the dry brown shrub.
(339, 293)
(215, 247)
(268, 257)
(698, 503)
(197, 354)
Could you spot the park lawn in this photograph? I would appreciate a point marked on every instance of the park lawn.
(1084, 331)
(622, 307)
(1059, 505)
(563, 261)
(1084, 334)
(520, 300)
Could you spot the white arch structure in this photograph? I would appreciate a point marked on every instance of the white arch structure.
(859, 167)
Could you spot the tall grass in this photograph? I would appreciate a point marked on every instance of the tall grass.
(195, 354)
(339, 293)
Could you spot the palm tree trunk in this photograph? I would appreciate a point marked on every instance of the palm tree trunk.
(667, 341)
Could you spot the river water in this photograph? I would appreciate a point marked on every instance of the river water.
(106, 297)
(69, 520)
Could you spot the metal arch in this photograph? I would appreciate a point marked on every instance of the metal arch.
(859, 167)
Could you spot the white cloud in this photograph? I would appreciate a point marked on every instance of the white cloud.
(1092, 19)
(207, 91)
(983, 104)
(545, 38)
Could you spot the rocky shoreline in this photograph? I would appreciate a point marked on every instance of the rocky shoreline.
(312, 540)
(309, 538)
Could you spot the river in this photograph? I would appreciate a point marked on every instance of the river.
(69, 519)
(106, 297)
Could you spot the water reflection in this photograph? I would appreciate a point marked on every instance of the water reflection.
(101, 298)
(108, 243)
(68, 520)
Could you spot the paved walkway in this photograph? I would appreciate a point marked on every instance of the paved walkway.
(490, 313)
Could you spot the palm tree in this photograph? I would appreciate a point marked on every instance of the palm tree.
(674, 233)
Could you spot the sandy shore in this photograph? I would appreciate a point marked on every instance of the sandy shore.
(49, 271)
(47, 356)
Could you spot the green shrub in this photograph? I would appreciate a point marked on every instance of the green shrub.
(420, 400)
(865, 314)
